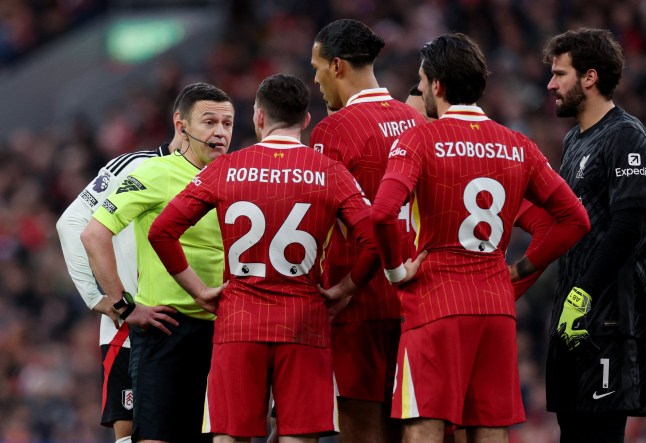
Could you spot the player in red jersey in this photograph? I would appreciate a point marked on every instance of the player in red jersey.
(457, 359)
(367, 122)
(416, 101)
(276, 202)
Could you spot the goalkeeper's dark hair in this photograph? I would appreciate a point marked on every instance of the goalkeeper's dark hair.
(196, 92)
(349, 40)
(284, 98)
(590, 48)
(458, 64)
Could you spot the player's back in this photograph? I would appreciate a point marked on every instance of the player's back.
(472, 186)
(360, 136)
(471, 178)
(276, 207)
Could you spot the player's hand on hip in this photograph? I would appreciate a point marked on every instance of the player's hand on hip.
(339, 295)
(412, 266)
(209, 298)
(155, 316)
(571, 325)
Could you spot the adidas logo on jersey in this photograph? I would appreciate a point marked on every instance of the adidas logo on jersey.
(130, 184)
(396, 150)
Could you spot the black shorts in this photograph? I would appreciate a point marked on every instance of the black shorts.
(116, 391)
(590, 380)
(169, 380)
(592, 428)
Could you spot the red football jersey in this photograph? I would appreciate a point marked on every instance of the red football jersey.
(468, 175)
(276, 203)
(360, 135)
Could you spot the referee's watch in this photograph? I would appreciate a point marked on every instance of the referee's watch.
(126, 301)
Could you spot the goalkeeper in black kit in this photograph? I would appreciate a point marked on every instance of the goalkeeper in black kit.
(596, 365)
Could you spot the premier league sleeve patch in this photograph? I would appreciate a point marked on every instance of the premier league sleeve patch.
(101, 183)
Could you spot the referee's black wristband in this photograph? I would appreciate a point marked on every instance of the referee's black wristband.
(127, 312)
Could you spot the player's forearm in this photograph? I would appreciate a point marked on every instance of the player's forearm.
(368, 262)
(69, 227)
(164, 237)
(190, 282)
(97, 240)
(385, 212)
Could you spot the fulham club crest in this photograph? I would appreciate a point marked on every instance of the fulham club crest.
(126, 399)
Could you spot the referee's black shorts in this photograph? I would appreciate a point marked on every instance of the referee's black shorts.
(169, 380)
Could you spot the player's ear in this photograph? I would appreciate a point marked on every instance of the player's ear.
(178, 123)
(437, 89)
(308, 118)
(339, 67)
(590, 78)
(259, 117)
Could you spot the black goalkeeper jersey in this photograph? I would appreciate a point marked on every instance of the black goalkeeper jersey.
(606, 168)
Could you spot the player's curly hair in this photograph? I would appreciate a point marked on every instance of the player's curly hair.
(349, 40)
(590, 48)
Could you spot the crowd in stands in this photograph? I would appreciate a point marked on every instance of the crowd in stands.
(26, 25)
(49, 358)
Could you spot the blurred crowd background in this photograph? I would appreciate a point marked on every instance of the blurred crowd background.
(49, 354)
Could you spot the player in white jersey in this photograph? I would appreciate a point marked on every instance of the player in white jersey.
(116, 392)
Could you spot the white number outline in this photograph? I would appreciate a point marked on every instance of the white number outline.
(287, 234)
(486, 215)
(605, 380)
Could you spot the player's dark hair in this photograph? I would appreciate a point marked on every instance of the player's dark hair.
(590, 49)
(284, 98)
(196, 92)
(458, 64)
(349, 40)
(414, 91)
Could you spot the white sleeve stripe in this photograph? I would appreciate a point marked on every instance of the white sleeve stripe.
(118, 164)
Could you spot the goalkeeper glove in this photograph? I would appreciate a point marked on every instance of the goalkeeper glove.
(571, 323)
